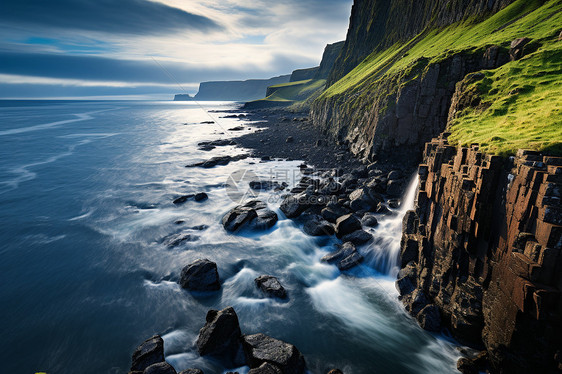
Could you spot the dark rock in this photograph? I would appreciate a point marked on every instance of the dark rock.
(271, 286)
(394, 175)
(343, 251)
(290, 139)
(350, 261)
(183, 199)
(346, 225)
(363, 199)
(369, 220)
(180, 238)
(410, 222)
(254, 215)
(429, 318)
(394, 203)
(517, 48)
(317, 226)
(404, 285)
(160, 368)
(335, 371)
(264, 185)
(357, 237)
(201, 196)
(360, 172)
(260, 348)
(466, 366)
(151, 351)
(191, 371)
(393, 188)
(236, 128)
(201, 275)
(382, 209)
(332, 212)
(266, 368)
(293, 206)
(220, 337)
(199, 227)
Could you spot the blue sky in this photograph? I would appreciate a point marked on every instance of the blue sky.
(98, 48)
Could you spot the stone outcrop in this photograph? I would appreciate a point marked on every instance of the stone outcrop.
(389, 116)
(220, 337)
(260, 349)
(483, 246)
(201, 275)
(253, 215)
(271, 286)
(150, 352)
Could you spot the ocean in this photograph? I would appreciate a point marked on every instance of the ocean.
(86, 191)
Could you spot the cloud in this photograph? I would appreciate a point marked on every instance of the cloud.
(108, 16)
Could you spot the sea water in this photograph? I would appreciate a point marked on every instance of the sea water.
(86, 191)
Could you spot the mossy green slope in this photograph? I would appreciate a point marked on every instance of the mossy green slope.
(290, 93)
(534, 113)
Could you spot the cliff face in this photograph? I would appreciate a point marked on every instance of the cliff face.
(483, 246)
(378, 24)
(247, 90)
(331, 53)
(303, 74)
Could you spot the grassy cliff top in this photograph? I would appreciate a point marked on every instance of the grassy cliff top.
(523, 97)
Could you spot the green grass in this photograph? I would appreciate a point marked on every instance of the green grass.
(520, 102)
(520, 106)
(295, 91)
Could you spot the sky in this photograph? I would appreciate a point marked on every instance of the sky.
(155, 48)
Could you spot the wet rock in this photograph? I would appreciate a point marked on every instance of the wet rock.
(219, 160)
(253, 215)
(266, 368)
(316, 225)
(236, 128)
(289, 139)
(358, 237)
(294, 206)
(369, 220)
(429, 318)
(346, 225)
(394, 203)
(332, 212)
(394, 175)
(151, 351)
(191, 371)
(363, 199)
(160, 368)
(335, 371)
(393, 188)
(329, 187)
(176, 240)
(201, 196)
(220, 337)
(201, 275)
(260, 348)
(199, 227)
(466, 366)
(271, 286)
(350, 261)
(183, 199)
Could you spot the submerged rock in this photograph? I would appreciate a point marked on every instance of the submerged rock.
(201, 196)
(150, 352)
(345, 257)
(271, 286)
(176, 240)
(220, 337)
(201, 275)
(183, 199)
(260, 349)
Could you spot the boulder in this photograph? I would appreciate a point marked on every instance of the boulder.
(369, 220)
(192, 371)
(253, 215)
(316, 225)
(362, 199)
(201, 196)
(293, 206)
(266, 368)
(343, 251)
(393, 188)
(350, 261)
(160, 368)
(201, 275)
(517, 48)
(271, 286)
(151, 351)
(220, 337)
(260, 348)
(429, 318)
(346, 225)
(358, 237)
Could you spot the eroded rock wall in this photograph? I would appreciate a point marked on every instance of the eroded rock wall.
(484, 245)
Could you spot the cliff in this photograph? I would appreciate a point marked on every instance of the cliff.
(331, 53)
(375, 25)
(303, 74)
(483, 245)
(398, 97)
(247, 90)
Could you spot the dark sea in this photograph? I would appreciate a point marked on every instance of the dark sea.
(86, 191)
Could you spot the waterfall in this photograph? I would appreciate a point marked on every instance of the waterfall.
(382, 254)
